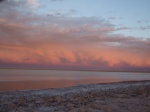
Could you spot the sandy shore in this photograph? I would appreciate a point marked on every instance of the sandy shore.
(113, 97)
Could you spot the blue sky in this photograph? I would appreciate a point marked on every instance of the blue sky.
(132, 14)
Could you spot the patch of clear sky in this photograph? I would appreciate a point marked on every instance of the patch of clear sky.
(121, 13)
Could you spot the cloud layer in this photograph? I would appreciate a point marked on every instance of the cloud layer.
(27, 37)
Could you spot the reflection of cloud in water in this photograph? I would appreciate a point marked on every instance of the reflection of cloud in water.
(27, 85)
(15, 79)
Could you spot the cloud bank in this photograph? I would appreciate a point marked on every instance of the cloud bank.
(27, 37)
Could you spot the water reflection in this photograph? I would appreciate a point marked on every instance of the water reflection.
(28, 85)
(42, 79)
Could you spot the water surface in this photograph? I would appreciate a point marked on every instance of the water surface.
(22, 79)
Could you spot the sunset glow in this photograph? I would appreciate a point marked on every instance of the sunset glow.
(33, 34)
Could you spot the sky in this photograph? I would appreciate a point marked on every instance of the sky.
(75, 34)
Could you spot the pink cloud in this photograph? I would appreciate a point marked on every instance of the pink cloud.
(82, 41)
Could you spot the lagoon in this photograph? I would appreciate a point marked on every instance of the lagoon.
(24, 79)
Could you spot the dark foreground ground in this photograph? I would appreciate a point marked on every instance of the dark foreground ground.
(114, 97)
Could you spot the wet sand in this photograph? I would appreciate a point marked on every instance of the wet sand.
(112, 97)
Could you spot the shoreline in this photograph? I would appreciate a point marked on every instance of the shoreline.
(105, 97)
(12, 86)
(129, 71)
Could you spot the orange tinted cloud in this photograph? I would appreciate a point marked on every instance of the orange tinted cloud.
(52, 40)
(80, 54)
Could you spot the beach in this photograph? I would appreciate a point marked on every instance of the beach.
(133, 96)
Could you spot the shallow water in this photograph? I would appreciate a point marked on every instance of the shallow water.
(22, 79)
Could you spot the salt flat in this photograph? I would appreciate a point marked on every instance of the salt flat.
(111, 97)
